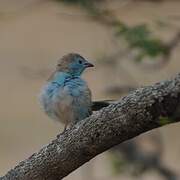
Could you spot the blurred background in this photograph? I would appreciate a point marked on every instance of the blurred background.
(131, 42)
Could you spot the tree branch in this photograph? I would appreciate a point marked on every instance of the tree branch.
(142, 110)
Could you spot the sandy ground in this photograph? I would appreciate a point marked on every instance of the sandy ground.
(33, 35)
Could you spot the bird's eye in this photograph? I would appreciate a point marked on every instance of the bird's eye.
(80, 62)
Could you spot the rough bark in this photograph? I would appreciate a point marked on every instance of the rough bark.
(142, 110)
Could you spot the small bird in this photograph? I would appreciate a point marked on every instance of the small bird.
(66, 96)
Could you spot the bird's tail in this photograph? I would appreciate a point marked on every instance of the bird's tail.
(97, 105)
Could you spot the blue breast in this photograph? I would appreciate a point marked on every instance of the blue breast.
(74, 86)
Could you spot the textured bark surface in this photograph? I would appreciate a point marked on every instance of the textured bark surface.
(142, 110)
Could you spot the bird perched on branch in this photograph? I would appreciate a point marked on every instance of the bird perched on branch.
(66, 96)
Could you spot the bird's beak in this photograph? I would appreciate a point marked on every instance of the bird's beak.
(87, 64)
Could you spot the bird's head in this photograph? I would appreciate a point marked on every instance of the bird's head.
(73, 64)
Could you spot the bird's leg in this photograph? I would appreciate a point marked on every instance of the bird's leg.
(65, 127)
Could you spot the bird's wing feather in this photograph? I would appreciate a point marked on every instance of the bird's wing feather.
(97, 105)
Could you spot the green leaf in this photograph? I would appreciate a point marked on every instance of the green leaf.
(164, 120)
